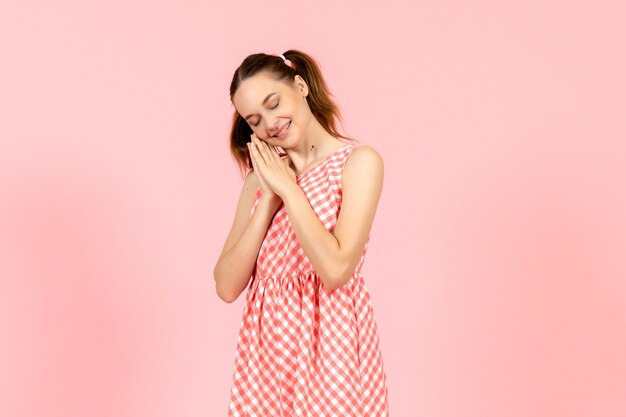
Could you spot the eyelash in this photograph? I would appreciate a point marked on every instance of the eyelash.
(257, 123)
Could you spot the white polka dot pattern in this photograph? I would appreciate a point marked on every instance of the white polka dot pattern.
(304, 350)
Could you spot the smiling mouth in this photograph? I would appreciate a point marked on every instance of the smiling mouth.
(283, 130)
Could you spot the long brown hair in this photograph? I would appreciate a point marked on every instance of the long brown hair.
(319, 99)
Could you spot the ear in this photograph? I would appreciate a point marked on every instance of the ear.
(301, 86)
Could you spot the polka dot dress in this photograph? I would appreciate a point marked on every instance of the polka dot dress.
(302, 349)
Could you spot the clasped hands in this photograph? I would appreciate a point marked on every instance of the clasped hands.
(273, 172)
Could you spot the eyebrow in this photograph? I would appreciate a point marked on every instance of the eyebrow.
(264, 101)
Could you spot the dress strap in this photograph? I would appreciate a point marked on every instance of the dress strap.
(346, 154)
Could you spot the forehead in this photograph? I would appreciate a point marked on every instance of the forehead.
(253, 91)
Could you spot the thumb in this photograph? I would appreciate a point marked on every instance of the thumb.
(286, 162)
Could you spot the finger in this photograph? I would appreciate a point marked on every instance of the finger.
(254, 153)
(269, 152)
(273, 153)
(255, 163)
(262, 149)
(254, 145)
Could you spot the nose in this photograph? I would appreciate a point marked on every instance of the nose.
(274, 128)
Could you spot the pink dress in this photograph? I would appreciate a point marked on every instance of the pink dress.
(304, 350)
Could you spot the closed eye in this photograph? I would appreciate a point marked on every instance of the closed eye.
(257, 123)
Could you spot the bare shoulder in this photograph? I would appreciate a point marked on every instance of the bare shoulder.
(250, 182)
(363, 162)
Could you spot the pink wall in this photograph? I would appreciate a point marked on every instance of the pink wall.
(497, 259)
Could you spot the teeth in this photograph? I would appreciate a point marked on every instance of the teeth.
(284, 129)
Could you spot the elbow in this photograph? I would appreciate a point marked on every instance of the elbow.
(224, 295)
(339, 277)
(227, 300)
(335, 284)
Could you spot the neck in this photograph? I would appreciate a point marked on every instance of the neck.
(315, 145)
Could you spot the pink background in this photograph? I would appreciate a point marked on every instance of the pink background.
(497, 259)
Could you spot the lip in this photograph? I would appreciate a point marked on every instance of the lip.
(286, 131)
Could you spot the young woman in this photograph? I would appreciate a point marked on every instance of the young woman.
(308, 342)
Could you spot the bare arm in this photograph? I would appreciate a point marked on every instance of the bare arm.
(234, 267)
(335, 255)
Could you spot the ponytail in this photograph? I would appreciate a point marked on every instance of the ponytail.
(319, 99)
